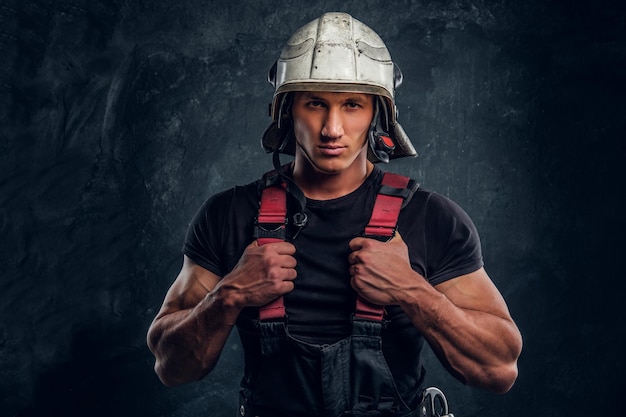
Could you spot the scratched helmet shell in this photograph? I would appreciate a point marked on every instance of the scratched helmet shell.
(341, 54)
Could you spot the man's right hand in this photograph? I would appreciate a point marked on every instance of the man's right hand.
(262, 274)
(200, 309)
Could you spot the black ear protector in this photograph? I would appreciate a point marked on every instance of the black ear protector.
(279, 134)
(397, 76)
(381, 143)
(284, 122)
(284, 117)
(271, 74)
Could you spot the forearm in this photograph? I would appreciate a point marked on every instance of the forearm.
(187, 343)
(479, 348)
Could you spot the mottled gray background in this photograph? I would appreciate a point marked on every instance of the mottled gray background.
(118, 118)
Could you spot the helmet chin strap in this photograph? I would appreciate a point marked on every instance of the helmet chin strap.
(380, 142)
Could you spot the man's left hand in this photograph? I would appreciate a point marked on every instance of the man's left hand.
(381, 271)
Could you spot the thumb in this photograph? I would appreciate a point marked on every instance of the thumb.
(397, 239)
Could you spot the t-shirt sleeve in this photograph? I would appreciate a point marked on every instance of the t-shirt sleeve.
(201, 243)
(453, 245)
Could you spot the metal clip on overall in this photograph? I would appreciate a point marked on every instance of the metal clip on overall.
(430, 397)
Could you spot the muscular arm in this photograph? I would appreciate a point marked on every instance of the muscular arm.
(200, 309)
(467, 323)
(190, 330)
(465, 320)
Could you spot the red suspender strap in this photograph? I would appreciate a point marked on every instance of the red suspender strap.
(382, 226)
(272, 215)
(387, 207)
(270, 228)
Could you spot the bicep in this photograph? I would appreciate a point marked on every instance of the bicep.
(192, 284)
(475, 291)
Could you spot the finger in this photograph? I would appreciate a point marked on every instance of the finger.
(357, 243)
(286, 286)
(287, 261)
(354, 271)
(290, 274)
(283, 248)
(352, 258)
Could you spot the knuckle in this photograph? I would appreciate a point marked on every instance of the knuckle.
(273, 275)
(363, 257)
(270, 262)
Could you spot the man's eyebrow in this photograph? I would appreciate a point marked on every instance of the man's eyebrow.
(311, 96)
(361, 98)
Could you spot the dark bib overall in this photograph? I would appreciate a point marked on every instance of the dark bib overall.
(346, 378)
(354, 379)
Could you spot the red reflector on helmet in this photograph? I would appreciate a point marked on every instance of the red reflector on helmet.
(388, 142)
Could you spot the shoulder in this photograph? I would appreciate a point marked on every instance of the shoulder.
(443, 220)
(235, 198)
(439, 204)
(233, 207)
(443, 237)
(434, 206)
(221, 228)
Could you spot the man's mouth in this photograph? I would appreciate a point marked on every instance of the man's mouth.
(331, 150)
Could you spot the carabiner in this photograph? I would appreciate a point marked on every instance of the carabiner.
(432, 393)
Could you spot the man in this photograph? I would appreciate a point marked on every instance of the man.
(323, 347)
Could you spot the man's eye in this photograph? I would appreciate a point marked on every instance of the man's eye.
(315, 104)
(352, 105)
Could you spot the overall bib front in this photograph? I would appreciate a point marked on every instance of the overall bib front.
(346, 378)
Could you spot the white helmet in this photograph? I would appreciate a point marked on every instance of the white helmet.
(337, 53)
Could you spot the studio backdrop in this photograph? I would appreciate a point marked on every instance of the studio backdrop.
(119, 118)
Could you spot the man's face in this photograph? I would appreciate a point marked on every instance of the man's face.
(331, 128)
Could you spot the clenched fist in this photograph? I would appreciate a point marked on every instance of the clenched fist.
(262, 274)
(381, 271)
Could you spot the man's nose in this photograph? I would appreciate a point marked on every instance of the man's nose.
(333, 125)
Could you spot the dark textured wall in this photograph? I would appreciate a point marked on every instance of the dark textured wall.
(118, 118)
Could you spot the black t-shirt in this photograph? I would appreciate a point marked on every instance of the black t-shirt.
(441, 238)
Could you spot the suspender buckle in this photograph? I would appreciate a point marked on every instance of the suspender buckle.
(270, 230)
(271, 222)
(380, 233)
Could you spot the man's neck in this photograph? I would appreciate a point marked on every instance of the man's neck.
(323, 186)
